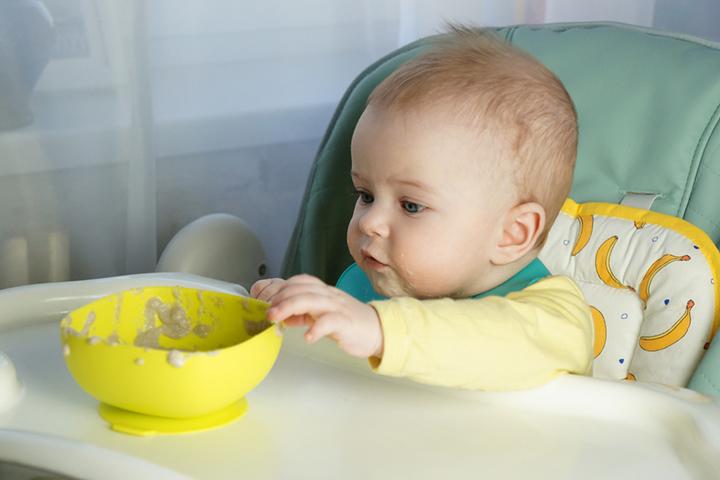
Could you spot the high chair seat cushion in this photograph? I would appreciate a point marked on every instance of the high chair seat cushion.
(652, 283)
(617, 319)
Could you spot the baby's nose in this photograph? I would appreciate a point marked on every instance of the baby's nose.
(374, 223)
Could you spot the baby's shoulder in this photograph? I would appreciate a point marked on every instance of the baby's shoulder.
(554, 288)
(555, 282)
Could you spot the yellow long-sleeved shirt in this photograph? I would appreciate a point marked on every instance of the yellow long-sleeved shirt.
(517, 341)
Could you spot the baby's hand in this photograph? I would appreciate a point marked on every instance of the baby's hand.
(304, 300)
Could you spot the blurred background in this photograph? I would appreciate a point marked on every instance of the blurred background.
(123, 120)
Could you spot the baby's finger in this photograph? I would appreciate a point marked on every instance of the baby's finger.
(306, 279)
(298, 321)
(267, 291)
(259, 286)
(290, 290)
(322, 327)
(312, 304)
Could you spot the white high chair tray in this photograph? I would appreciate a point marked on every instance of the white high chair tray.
(320, 415)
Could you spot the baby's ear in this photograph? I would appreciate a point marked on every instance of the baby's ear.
(522, 228)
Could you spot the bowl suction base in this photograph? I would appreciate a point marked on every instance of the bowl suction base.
(133, 423)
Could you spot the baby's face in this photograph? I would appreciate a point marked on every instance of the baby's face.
(430, 207)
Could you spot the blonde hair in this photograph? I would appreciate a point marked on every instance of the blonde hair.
(494, 85)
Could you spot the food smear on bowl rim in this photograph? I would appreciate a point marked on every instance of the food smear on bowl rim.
(176, 358)
(174, 323)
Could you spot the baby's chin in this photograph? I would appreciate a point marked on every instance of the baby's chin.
(388, 287)
(391, 291)
(395, 287)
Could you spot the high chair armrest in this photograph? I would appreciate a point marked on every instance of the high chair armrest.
(49, 302)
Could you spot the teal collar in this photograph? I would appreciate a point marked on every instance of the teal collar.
(354, 281)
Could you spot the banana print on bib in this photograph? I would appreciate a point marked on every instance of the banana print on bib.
(651, 281)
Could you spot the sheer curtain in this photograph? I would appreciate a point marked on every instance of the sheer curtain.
(123, 120)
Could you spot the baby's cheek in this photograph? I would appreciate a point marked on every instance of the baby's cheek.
(432, 279)
(352, 238)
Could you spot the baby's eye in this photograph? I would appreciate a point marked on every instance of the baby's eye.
(364, 197)
(412, 207)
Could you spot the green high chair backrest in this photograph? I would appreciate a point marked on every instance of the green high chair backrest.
(648, 106)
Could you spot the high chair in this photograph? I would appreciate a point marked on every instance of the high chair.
(648, 105)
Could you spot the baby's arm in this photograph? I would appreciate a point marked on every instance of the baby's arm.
(494, 343)
(304, 300)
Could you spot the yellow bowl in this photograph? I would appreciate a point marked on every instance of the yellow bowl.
(171, 352)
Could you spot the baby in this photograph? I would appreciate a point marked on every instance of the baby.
(461, 162)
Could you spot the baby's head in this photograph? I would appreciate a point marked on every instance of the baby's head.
(462, 160)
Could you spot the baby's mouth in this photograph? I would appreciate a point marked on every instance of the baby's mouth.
(372, 262)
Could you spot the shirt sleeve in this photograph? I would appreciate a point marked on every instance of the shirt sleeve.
(494, 343)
